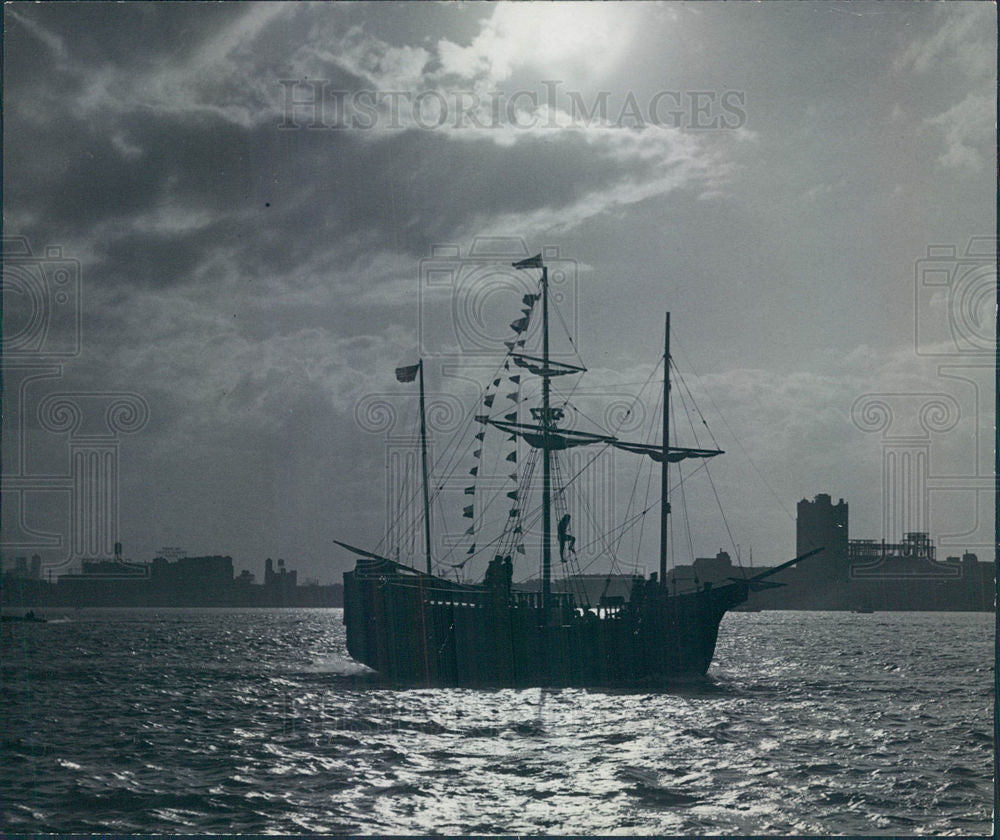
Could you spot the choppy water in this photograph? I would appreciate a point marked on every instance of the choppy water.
(256, 721)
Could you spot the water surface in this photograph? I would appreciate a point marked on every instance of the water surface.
(256, 721)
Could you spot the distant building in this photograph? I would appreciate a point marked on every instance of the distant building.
(687, 577)
(279, 585)
(822, 524)
(23, 571)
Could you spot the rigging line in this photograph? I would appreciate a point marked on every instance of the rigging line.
(399, 515)
(628, 412)
(631, 521)
(450, 467)
(724, 520)
(495, 541)
(513, 529)
(708, 472)
(649, 480)
(400, 528)
(573, 563)
(593, 519)
(694, 404)
(739, 560)
(680, 470)
(650, 433)
(586, 416)
(456, 452)
(568, 334)
(739, 443)
(672, 548)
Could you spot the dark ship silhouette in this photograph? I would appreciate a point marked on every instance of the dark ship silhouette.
(414, 626)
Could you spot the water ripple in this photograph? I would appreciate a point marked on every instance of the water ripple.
(132, 721)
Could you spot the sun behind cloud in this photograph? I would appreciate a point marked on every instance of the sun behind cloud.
(565, 41)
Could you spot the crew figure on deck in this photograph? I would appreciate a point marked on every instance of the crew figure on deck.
(499, 576)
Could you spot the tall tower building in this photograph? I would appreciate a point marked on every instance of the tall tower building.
(822, 523)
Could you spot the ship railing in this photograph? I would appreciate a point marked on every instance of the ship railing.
(563, 602)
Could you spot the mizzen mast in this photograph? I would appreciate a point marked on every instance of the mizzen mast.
(664, 485)
(423, 457)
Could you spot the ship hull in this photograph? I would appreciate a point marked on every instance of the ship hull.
(420, 629)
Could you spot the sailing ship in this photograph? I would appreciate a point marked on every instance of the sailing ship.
(418, 626)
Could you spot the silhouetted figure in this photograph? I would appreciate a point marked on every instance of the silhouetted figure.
(567, 542)
(636, 596)
(499, 575)
(493, 572)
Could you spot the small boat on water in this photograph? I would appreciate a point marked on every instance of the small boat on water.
(29, 616)
(419, 626)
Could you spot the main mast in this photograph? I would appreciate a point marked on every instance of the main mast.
(547, 465)
(664, 486)
(423, 454)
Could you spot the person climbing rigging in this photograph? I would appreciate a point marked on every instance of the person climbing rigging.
(567, 542)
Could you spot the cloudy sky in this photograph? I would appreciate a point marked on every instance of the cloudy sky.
(263, 200)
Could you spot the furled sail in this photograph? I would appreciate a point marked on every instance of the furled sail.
(568, 438)
(674, 454)
(538, 366)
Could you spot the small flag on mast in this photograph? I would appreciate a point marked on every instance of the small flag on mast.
(407, 374)
(531, 262)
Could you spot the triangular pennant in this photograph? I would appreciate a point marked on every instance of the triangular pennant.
(474, 471)
(506, 365)
(472, 549)
(526, 311)
(512, 456)
(520, 325)
(467, 511)
(517, 529)
(512, 437)
(514, 512)
(511, 417)
(470, 530)
(520, 343)
(477, 453)
(513, 476)
(510, 346)
(529, 300)
(512, 396)
(512, 495)
(480, 435)
(470, 491)
(496, 382)
(516, 379)
(459, 565)
(520, 549)
(488, 401)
